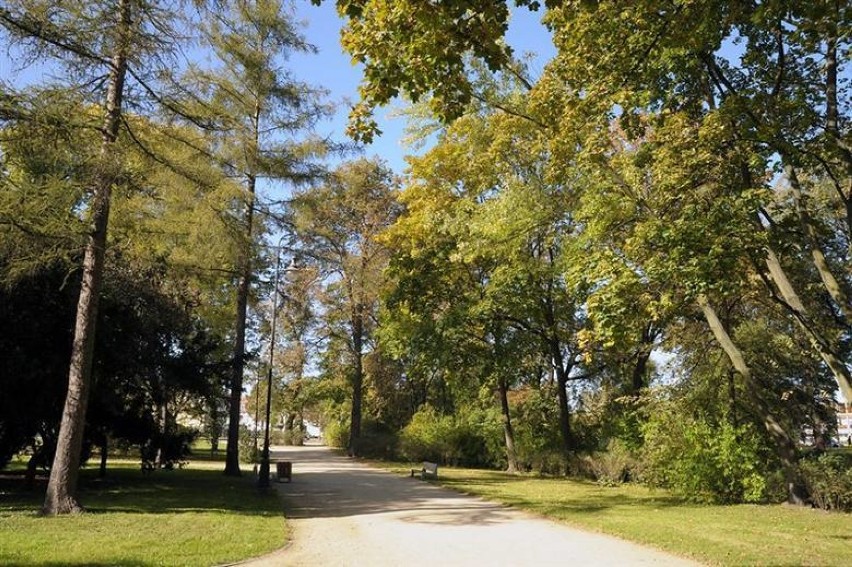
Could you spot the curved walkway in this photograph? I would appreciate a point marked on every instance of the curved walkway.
(342, 512)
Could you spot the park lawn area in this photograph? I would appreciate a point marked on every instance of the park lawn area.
(721, 535)
(190, 516)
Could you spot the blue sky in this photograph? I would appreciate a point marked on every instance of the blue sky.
(332, 68)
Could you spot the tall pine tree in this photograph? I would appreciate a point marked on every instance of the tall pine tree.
(99, 50)
(263, 116)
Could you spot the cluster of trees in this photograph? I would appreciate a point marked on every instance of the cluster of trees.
(678, 179)
(132, 218)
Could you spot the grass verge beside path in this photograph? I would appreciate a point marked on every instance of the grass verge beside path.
(722, 535)
(192, 516)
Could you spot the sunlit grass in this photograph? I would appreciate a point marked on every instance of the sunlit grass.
(191, 516)
(723, 535)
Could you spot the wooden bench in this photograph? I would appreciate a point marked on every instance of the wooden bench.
(429, 470)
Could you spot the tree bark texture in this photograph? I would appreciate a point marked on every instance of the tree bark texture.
(61, 496)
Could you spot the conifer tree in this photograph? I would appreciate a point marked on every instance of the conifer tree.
(102, 47)
(262, 116)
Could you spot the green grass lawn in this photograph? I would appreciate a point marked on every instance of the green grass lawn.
(722, 535)
(191, 516)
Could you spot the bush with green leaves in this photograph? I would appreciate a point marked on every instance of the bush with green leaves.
(828, 479)
(538, 444)
(377, 441)
(250, 445)
(170, 449)
(615, 465)
(469, 439)
(426, 437)
(702, 460)
(336, 434)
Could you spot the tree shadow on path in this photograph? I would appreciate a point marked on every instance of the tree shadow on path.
(326, 485)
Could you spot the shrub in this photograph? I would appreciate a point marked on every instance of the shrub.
(171, 449)
(425, 436)
(828, 479)
(472, 439)
(703, 461)
(615, 465)
(293, 437)
(278, 436)
(249, 453)
(336, 434)
(538, 444)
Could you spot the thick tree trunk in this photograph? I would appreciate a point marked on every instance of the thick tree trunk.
(508, 431)
(357, 381)
(232, 455)
(784, 443)
(61, 496)
(562, 396)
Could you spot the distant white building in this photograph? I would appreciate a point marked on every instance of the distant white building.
(844, 424)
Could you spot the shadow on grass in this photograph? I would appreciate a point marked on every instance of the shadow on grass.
(126, 490)
(554, 496)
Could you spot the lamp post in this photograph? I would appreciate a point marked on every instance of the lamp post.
(263, 478)
(256, 420)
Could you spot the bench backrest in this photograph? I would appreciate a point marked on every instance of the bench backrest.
(431, 468)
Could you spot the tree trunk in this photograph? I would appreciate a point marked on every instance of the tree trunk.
(832, 286)
(558, 371)
(838, 368)
(832, 127)
(161, 457)
(32, 467)
(61, 496)
(357, 381)
(102, 470)
(562, 396)
(508, 432)
(232, 456)
(732, 398)
(784, 443)
(639, 375)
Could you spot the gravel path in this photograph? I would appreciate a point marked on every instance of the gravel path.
(342, 512)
